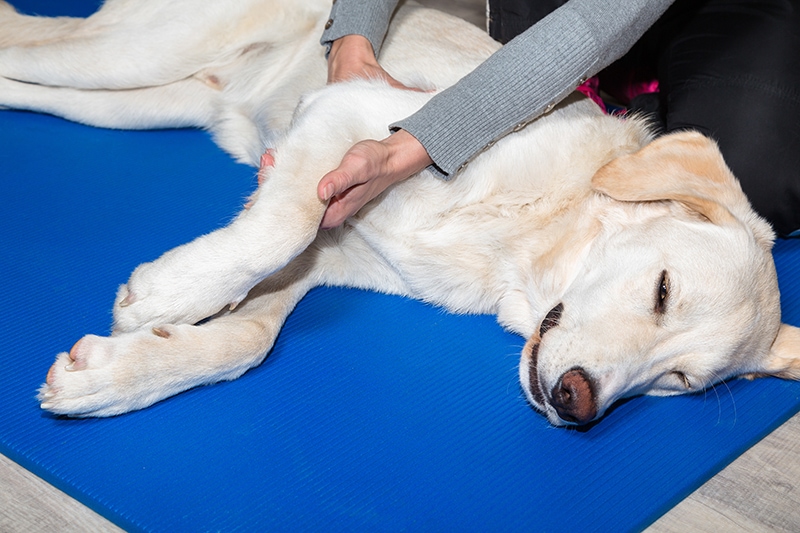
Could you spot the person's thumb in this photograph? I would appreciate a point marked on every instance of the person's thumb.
(354, 169)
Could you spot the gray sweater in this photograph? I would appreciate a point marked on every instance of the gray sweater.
(518, 83)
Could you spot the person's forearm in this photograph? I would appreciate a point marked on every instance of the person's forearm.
(369, 18)
(527, 76)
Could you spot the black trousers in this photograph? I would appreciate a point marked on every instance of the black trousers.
(727, 68)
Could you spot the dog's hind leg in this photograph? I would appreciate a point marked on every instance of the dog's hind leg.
(114, 48)
(105, 376)
(17, 29)
(97, 62)
(103, 51)
(185, 103)
(132, 44)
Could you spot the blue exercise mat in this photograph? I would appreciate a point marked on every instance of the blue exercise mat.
(372, 412)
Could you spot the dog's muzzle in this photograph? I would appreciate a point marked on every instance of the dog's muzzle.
(573, 397)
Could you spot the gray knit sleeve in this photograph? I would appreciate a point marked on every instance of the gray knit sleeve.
(369, 18)
(526, 77)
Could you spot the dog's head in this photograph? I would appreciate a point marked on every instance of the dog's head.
(678, 292)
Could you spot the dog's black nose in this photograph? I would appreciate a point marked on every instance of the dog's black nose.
(573, 397)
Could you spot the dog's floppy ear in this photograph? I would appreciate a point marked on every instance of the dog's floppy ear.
(783, 360)
(685, 167)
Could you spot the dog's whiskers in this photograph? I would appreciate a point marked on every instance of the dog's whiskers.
(712, 384)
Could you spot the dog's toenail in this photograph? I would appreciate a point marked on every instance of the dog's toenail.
(160, 332)
(128, 300)
(73, 352)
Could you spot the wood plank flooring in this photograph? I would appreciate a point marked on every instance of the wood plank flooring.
(760, 491)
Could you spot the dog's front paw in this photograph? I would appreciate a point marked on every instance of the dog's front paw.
(179, 288)
(81, 382)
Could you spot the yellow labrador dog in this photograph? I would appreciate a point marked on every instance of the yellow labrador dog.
(632, 265)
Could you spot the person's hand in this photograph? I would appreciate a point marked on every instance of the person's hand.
(369, 167)
(366, 170)
(352, 57)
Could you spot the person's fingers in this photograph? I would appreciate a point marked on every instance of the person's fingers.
(366, 170)
(336, 182)
(378, 72)
(360, 164)
(267, 161)
(340, 208)
(372, 73)
(352, 57)
(344, 205)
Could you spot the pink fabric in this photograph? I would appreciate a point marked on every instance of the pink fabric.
(591, 88)
(635, 88)
(626, 91)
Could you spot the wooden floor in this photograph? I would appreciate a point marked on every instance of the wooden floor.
(760, 491)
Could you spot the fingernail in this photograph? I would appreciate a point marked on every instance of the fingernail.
(327, 192)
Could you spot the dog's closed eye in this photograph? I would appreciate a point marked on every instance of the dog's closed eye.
(662, 293)
(682, 377)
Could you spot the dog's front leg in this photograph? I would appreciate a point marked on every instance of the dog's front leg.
(198, 279)
(215, 271)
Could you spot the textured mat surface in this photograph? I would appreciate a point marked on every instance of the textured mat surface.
(372, 413)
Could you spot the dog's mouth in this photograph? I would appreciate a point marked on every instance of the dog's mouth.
(550, 321)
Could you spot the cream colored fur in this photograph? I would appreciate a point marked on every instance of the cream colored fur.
(663, 270)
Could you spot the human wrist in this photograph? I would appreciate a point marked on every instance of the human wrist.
(348, 56)
(407, 155)
(355, 44)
